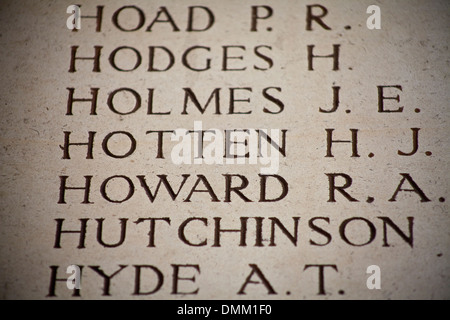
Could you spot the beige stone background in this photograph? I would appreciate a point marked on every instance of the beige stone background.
(411, 50)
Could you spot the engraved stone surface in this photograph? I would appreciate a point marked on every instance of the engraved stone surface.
(361, 178)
